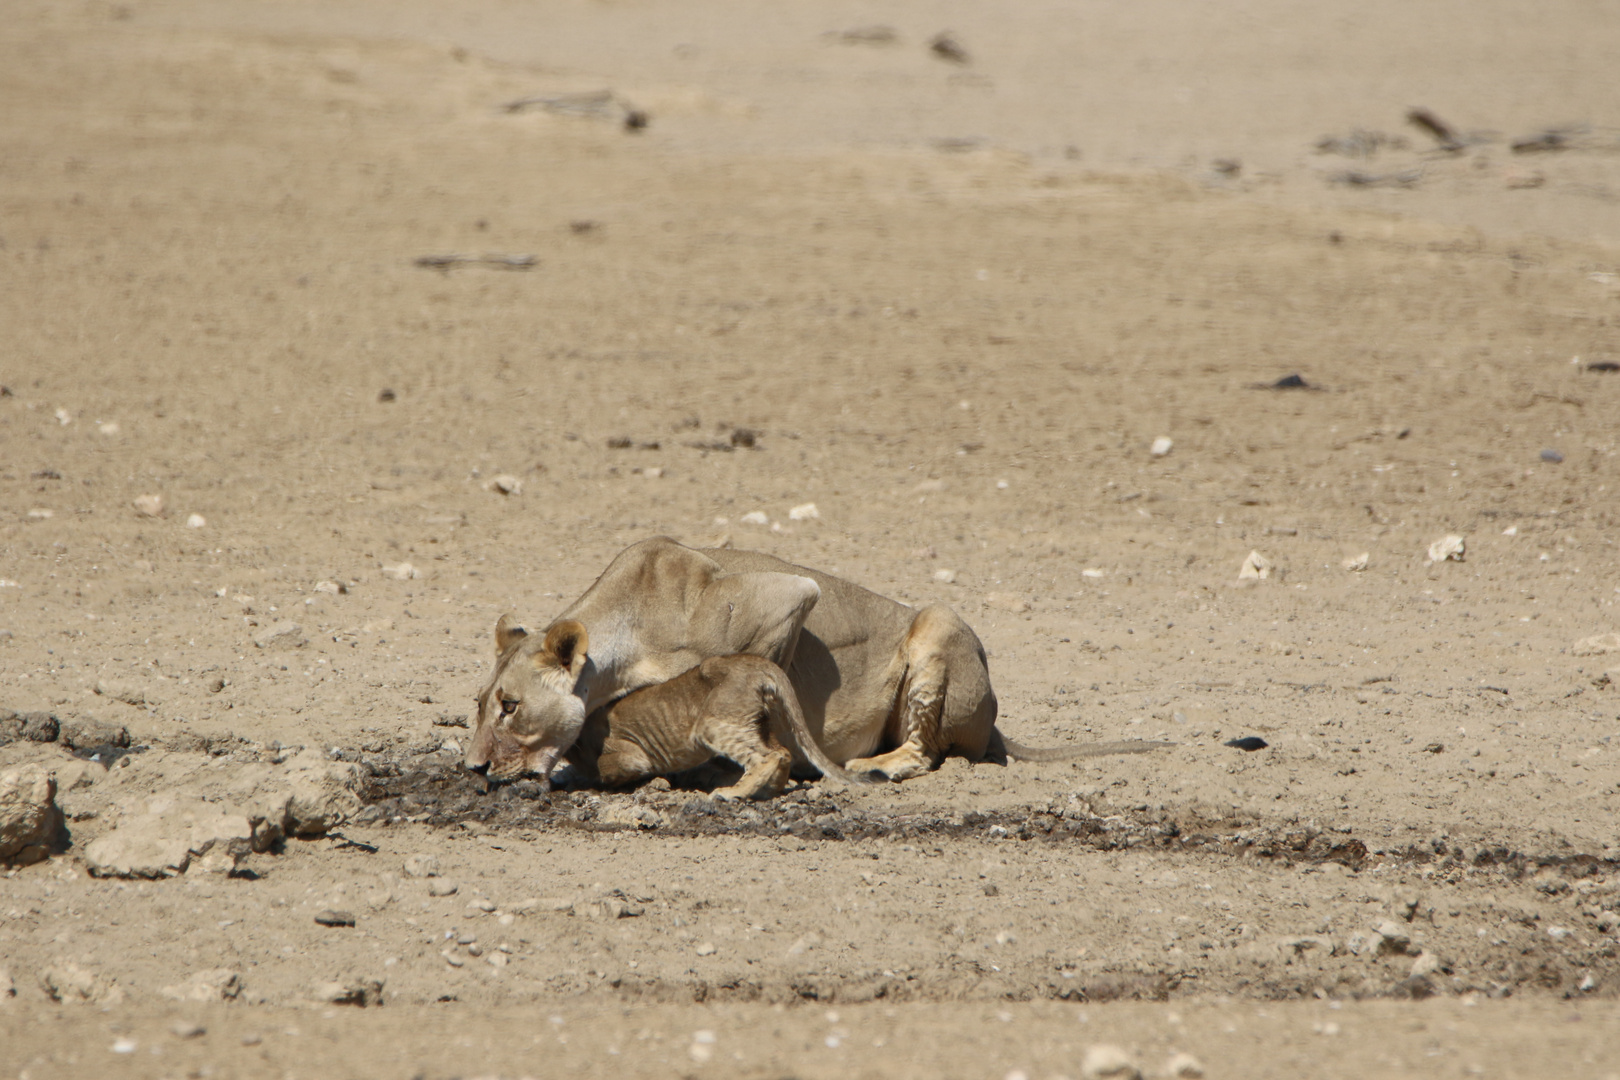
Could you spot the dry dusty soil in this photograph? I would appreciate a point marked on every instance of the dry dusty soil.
(718, 262)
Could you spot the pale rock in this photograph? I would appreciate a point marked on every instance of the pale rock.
(196, 521)
(1184, 1066)
(377, 626)
(804, 512)
(187, 1029)
(333, 588)
(706, 949)
(1358, 943)
(1093, 572)
(442, 887)
(755, 517)
(170, 840)
(804, 944)
(403, 571)
(504, 484)
(1391, 938)
(1356, 563)
(422, 865)
(149, 505)
(322, 794)
(29, 817)
(70, 984)
(1449, 548)
(1005, 601)
(108, 427)
(945, 577)
(354, 991)
(1427, 963)
(1597, 645)
(618, 813)
(214, 984)
(1104, 1062)
(1161, 446)
(285, 634)
(1256, 567)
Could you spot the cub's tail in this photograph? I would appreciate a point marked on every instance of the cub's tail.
(1020, 752)
(787, 719)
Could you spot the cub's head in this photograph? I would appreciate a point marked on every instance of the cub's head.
(528, 714)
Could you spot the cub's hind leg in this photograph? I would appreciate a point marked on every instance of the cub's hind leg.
(737, 724)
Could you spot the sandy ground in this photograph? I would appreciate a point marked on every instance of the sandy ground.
(956, 336)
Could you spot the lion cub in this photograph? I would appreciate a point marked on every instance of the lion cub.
(742, 707)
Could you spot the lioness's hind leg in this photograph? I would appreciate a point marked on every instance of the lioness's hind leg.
(916, 724)
(745, 738)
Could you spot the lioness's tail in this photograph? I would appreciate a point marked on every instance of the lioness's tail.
(788, 720)
(1019, 752)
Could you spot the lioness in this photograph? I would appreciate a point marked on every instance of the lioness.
(884, 688)
(742, 707)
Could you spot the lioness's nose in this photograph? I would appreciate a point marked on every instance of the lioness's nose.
(481, 768)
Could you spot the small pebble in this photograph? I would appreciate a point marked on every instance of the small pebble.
(335, 918)
(1552, 457)
(505, 484)
(149, 505)
(1256, 567)
(422, 865)
(1356, 563)
(755, 517)
(1104, 1062)
(706, 949)
(452, 959)
(498, 960)
(187, 1029)
(1248, 743)
(123, 1046)
(945, 577)
(1184, 1066)
(332, 587)
(442, 887)
(400, 571)
(804, 512)
(1447, 549)
(1093, 572)
(252, 1039)
(196, 521)
(1162, 445)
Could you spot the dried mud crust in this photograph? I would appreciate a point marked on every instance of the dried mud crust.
(1384, 962)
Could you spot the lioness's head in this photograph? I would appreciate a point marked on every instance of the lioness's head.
(528, 713)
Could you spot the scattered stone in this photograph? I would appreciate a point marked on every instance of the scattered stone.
(442, 887)
(1256, 567)
(1552, 457)
(8, 987)
(1586, 985)
(481, 907)
(124, 1046)
(497, 960)
(330, 917)
(169, 840)
(334, 588)
(129, 691)
(377, 626)
(804, 512)
(215, 984)
(755, 517)
(1427, 963)
(804, 944)
(1005, 601)
(358, 992)
(86, 733)
(1184, 1066)
(1248, 743)
(1447, 549)
(706, 949)
(1358, 943)
(1161, 446)
(945, 577)
(504, 484)
(1093, 572)
(70, 984)
(149, 505)
(1104, 1062)
(196, 521)
(450, 720)
(452, 959)
(30, 820)
(1290, 382)
(1415, 987)
(187, 1029)
(400, 571)
(285, 634)
(1391, 939)
(1597, 645)
(1356, 563)
(422, 865)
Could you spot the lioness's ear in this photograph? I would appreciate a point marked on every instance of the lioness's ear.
(567, 641)
(507, 633)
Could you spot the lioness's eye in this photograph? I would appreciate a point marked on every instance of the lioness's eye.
(508, 706)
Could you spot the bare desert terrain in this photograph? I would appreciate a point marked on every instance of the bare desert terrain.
(1223, 401)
